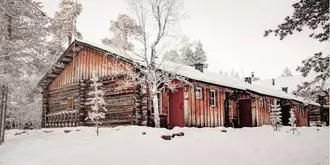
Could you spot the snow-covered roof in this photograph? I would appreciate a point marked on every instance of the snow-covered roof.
(206, 76)
(291, 82)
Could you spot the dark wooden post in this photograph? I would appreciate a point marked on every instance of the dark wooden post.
(137, 110)
(82, 111)
(44, 108)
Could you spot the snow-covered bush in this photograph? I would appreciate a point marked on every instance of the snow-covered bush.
(97, 102)
(275, 116)
(292, 121)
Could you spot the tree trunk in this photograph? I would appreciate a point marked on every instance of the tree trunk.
(97, 126)
(137, 111)
(1, 114)
(3, 110)
(153, 96)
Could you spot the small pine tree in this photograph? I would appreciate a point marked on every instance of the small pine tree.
(275, 116)
(292, 121)
(97, 102)
(286, 72)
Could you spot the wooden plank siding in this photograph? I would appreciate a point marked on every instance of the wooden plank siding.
(82, 65)
(198, 112)
(261, 110)
(300, 114)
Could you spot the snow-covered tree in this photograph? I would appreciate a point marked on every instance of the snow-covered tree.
(149, 33)
(97, 102)
(275, 116)
(286, 72)
(197, 57)
(172, 55)
(315, 16)
(23, 32)
(187, 52)
(123, 28)
(63, 28)
(292, 121)
(234, 74)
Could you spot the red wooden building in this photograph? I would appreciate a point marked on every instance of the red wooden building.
(210, 100)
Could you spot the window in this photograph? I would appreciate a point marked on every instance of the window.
(159, 99)
(253, 100)
(199, 93)
(261, 102)
(212, 98)
(69, 103)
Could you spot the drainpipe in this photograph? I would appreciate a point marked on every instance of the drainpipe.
(232, 95)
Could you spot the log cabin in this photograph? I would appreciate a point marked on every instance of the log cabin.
(210, 100)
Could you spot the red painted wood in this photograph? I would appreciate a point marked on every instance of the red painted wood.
(245, 113)
(176, 108)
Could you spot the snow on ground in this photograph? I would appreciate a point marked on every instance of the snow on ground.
(199, 146)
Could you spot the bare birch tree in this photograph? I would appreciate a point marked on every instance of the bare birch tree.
(143, 39)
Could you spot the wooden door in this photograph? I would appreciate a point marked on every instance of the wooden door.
(176, 108)
(245, 113)
(285, 115)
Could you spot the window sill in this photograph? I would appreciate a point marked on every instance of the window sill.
(213, 106)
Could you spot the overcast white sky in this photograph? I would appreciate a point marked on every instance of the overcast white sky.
(231, 31)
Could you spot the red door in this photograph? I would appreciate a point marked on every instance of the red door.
(176, 108)
(245, 113)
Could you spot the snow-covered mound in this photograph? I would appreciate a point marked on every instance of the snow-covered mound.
(128, 145)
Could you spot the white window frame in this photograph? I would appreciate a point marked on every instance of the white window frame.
(214, 98)
(261, 102)
(199, 93)
(298, 108)
(159, 99)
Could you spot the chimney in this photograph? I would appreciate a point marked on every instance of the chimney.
(252, 75)
(273, 82)
(200, 67)
(248, 80)
(285, 89)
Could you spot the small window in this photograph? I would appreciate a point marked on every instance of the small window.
(253, 100)
(159, 99)
(69, 102)
(261, 102)
(212, 98)
(199, 93)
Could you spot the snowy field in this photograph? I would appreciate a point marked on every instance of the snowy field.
(128, 145)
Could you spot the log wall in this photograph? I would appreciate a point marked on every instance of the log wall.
(73, 82)
(119, 103)
(57, 112)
